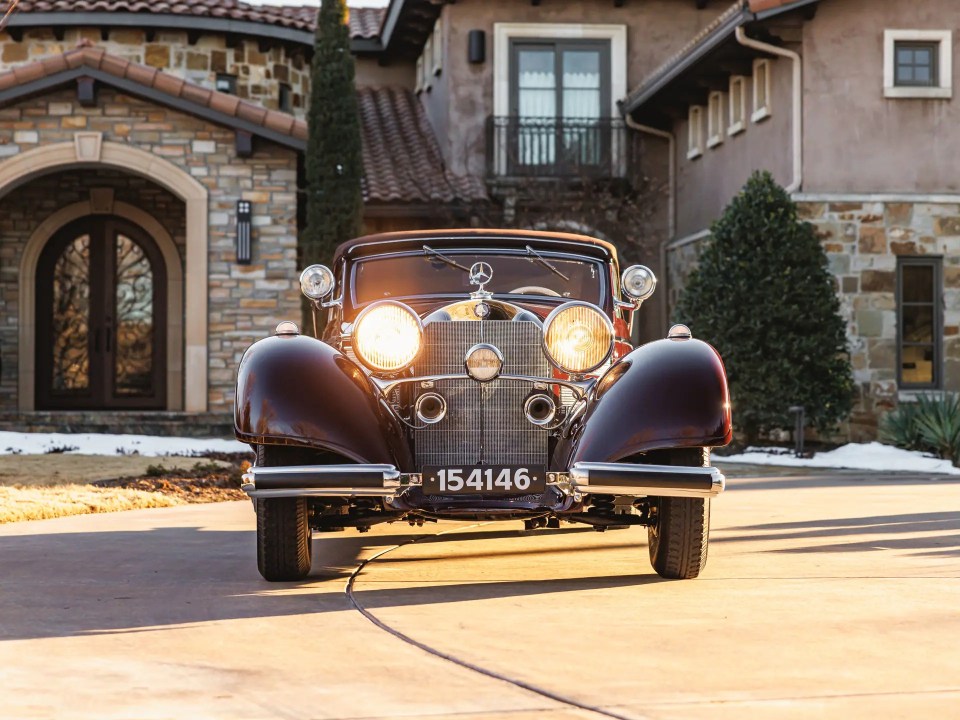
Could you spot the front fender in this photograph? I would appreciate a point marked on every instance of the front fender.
(665, 394)
(296, 390)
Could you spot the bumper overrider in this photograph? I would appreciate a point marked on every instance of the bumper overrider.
(385, 481)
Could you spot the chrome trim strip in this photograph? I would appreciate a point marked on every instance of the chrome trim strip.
(579, 387)
(637, 479)
(323, 480)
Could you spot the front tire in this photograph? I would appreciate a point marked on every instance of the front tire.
(284, 539)
(680, 536)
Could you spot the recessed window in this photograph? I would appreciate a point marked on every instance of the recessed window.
(919, 322)
(918, 64)
(285, 101)
(761, 90)
(227, 84)
(715, 129)
(738, 105)
(695, 132)
(437, 60)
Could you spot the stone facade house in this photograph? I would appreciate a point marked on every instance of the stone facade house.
(137, 139)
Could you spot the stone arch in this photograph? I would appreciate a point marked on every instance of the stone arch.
(89, 150)
(28, 301)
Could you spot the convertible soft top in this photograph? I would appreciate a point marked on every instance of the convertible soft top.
(472, 237)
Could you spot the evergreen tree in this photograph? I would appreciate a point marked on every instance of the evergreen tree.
(333, 161)
(763, 296)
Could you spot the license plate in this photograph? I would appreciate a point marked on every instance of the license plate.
(484, 479)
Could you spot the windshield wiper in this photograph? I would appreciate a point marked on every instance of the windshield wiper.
(440, 256)
(540, 260)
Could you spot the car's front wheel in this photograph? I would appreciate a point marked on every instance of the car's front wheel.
(680, 533)
(284, 540)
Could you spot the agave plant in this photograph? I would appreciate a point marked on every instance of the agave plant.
(938, 420)
(899, 428)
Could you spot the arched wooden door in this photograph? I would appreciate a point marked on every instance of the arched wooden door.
(101, 325)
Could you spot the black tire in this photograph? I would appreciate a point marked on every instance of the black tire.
(284, 539)
(680, 536)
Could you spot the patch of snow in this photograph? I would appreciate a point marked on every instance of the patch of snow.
(105, 444)
(854, 456)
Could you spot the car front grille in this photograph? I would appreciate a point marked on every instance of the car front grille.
(485, 423)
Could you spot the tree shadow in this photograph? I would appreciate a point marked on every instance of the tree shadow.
(885, 531)
(70, 584)
(848, 479)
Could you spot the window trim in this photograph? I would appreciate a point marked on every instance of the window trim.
(436, 60)
(695, 131)
(761, 112)
(505, 32)
(737, 125)
(715, 119)
(935, 261)
(944, 91)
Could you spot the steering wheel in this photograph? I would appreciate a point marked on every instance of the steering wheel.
(535, 290)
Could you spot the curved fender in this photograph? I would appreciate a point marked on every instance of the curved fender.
(296, 390)
(668, 393)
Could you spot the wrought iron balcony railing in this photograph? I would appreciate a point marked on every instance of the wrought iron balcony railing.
(557, 147)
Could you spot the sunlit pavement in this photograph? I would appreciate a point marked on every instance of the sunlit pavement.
(827, 595)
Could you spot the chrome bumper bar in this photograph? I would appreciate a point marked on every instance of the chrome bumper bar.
(387, 482)
(636, 479)
(322, 481)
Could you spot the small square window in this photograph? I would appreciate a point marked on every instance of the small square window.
(761, 90)
(285, 101)
(715, 129)
(738, 105)
(227, 84)
(695, 132)
(916, 64)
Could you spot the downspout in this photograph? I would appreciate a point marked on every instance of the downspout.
(742, 38)
(671, 209)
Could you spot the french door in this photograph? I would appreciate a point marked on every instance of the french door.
(101, 326)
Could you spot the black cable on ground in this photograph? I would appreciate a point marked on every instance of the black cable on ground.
(542, 692)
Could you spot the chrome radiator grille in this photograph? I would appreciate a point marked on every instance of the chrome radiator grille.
(484, 423)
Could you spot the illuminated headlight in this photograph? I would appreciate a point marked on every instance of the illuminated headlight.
(577, 337)
(638, 282)
(387, 336)
(316, 282)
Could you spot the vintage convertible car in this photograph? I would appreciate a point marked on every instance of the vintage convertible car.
(480, 375)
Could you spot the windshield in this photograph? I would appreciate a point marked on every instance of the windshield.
(541, 274)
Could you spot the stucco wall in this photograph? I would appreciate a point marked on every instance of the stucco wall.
(655, 30)
(856, 140)
(707, 184)
(259, 74)
(245, 301)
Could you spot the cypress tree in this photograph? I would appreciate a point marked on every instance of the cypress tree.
(763, 296)
(333, 164)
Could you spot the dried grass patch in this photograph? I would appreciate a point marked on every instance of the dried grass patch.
(44, 502)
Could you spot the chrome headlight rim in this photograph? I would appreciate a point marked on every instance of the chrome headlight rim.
(356, 326)
(607, 322)
(624, 284)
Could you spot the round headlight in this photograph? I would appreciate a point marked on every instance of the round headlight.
(638, 282)
(387, 336)
(577, 337)
(317, 281)
(483, 362)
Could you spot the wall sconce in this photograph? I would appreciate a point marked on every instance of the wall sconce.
(244, 246)
(476, 46)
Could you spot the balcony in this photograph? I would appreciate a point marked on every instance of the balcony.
(560, 148)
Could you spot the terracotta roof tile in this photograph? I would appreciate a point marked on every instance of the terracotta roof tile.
(364, 22)
(401, 158)
(159, 81)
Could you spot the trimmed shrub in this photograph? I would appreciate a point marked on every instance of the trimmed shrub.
(763, 296)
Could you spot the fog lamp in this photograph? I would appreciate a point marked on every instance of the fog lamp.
(387, 336)
(483, 362)
(577, 337)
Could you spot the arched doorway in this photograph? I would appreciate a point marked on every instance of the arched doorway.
(101, 303)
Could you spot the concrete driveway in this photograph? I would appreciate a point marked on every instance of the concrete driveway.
(833, 596)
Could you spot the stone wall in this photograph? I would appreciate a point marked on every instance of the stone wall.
(862, 241)
(259, 74)
(245, 301)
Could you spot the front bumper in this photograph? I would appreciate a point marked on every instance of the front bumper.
(385, 481)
